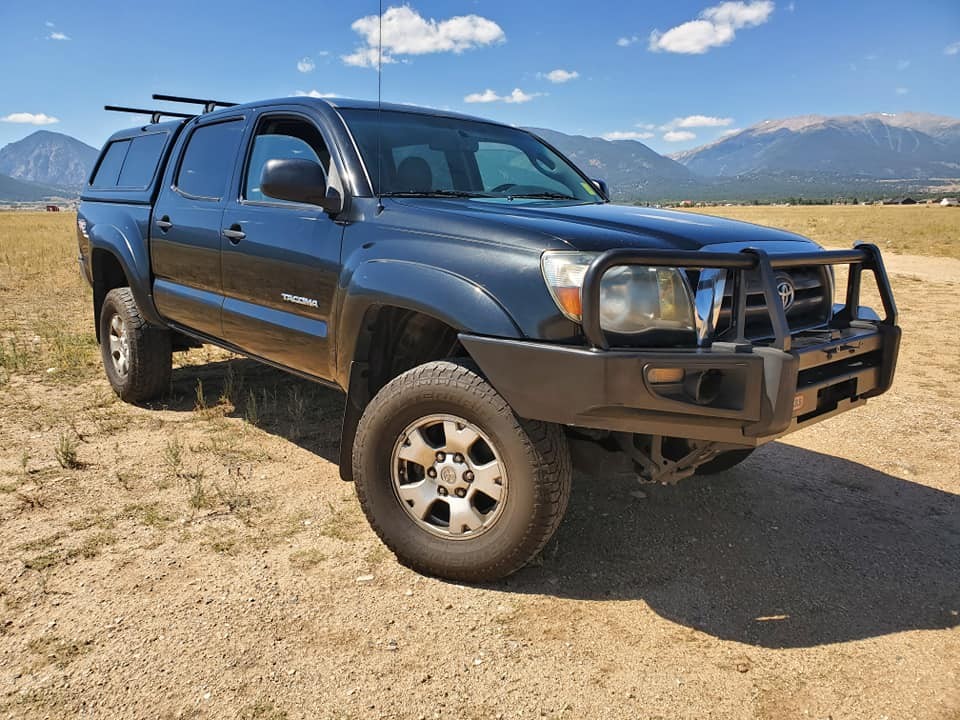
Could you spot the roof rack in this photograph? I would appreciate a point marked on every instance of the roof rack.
(155, 115)
(208, 105)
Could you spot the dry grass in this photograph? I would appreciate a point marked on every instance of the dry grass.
(50, 333)
(913, 229)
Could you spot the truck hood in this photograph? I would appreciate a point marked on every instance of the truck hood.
(585, 227)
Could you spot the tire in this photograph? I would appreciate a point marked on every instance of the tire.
(136, 357)
(724, 461)
(532, 458)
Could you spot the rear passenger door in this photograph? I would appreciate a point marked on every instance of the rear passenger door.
(281, 260)
(186, 224)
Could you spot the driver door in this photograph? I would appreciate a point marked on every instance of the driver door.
(280, 259)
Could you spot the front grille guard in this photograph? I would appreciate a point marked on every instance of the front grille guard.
(861, 256)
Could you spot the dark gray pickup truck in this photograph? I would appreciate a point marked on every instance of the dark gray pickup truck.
(477, 298)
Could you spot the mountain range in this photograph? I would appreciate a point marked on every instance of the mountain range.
(43, 165)
(811, 156)
(879, 145)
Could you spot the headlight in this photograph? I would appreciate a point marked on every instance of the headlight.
(633, 299)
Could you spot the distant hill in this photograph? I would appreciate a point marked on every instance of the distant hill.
(49, 158)
(881, 146)
(629, 167)
(13, 190)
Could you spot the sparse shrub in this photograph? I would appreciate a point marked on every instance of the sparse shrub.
(251, 413)
(66, 452)
(173, 456)
(201, 403)
(296, 409)
(198, 492)
(234, 493)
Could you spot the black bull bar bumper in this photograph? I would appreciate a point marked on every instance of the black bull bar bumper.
(759, 390)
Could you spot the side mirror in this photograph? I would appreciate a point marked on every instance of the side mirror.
(298, 180)
(602, 187)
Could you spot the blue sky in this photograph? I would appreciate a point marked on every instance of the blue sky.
(674, 75)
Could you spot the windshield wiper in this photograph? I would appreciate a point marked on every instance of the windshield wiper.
(436, 193)
(543, 196)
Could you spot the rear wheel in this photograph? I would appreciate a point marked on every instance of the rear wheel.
(452, 481)
(136, 357)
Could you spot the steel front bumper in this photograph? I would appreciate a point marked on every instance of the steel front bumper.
(757, 391)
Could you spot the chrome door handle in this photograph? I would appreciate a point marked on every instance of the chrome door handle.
(164, 223)
(234, 234)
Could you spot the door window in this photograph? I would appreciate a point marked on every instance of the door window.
(208, 160)
(282, 138)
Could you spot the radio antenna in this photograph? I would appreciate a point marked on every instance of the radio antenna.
(380, 111)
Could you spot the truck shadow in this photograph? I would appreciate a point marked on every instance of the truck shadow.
(793, 548)
(304, 412)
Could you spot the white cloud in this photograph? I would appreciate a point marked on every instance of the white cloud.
(314, 94)
(731, 131)
(560, 76)
(627, 135)
(716, 26)
(902, 90)
(679, 136)
(698, 121)
(646, 126)
(952, 49)
(489, 96)
(406, 32)
(48, 23)
(57, 36)
(306, 65)
(627, 41)
(26, 118)
(903, 64)
(365, 57)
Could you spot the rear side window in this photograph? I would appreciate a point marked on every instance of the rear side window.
(209, 159)
(108, 171)
(142, 159)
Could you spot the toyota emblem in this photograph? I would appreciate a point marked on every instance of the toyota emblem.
(786, 292)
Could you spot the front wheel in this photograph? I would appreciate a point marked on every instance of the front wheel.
(452, 481)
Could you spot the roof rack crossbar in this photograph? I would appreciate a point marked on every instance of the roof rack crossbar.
(155, 115)
(208, 105)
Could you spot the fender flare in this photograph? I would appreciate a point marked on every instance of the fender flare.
(452, 299)
(134, 260)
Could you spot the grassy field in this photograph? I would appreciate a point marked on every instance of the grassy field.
(200, 557)
(913, 229)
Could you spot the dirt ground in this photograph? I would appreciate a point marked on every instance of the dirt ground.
(201, 558)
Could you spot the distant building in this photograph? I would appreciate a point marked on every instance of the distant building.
(950, 202)
(53, 208)
(908, 201)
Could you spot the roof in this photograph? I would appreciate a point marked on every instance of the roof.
(353, 104)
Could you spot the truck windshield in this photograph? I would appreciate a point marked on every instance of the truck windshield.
(429, 156)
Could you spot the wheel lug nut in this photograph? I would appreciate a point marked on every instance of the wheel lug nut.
(461, 492)
(431, 472)
(441, 456)
(468, 476)
(442, 490)
(458, 458)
